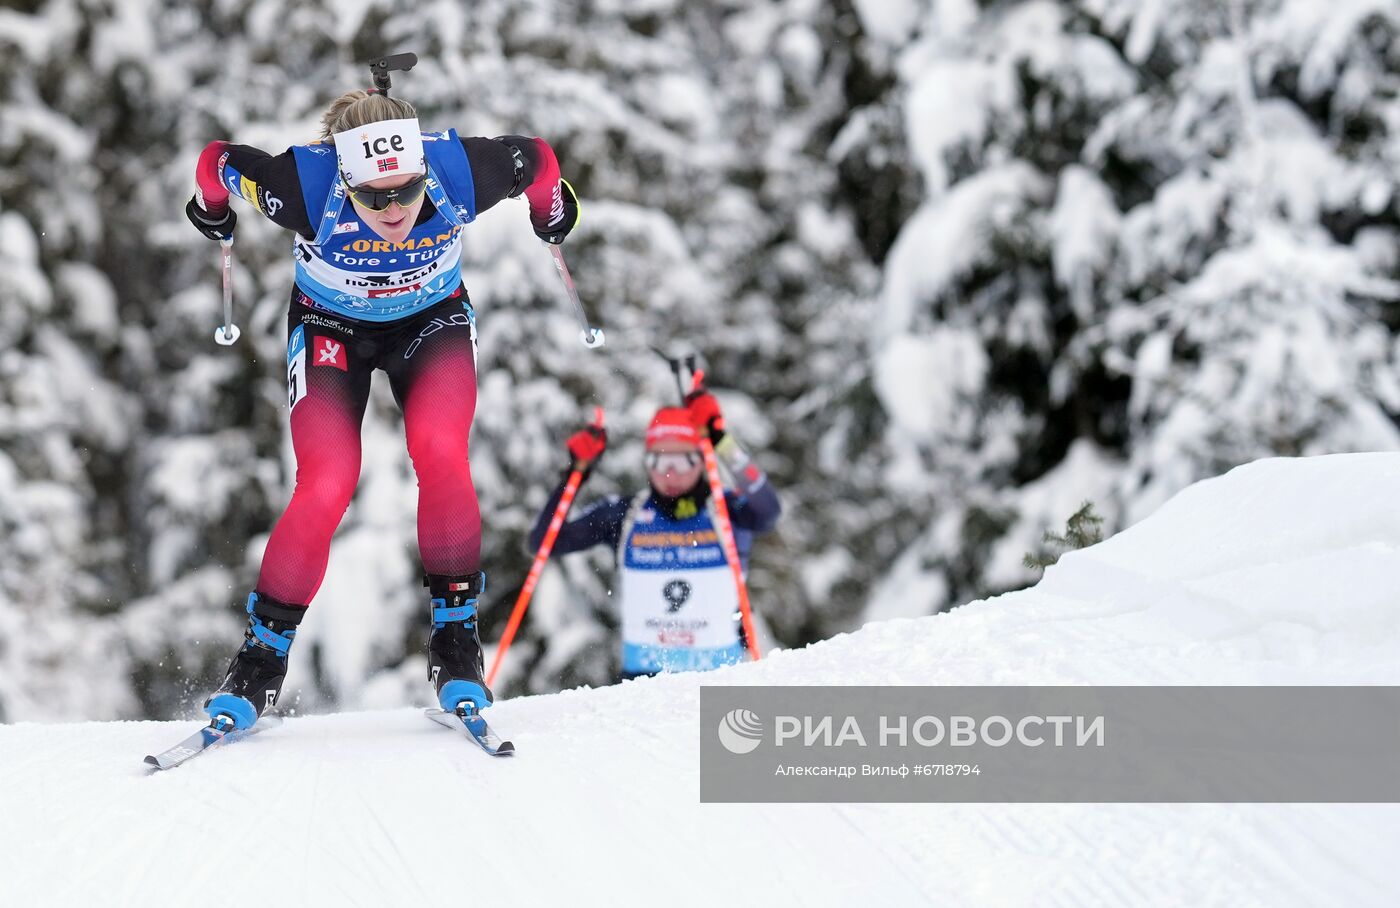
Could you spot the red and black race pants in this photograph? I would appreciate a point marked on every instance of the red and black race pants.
(430, 359)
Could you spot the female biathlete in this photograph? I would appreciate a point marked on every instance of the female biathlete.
(377, 209)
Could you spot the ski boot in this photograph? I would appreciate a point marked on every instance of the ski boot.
(455, 663)
(255, 675)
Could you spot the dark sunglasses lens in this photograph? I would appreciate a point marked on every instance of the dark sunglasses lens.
(410, 193)
(375, 201)
(379, 199)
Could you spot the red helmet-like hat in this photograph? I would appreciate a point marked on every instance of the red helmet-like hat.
(672, 424)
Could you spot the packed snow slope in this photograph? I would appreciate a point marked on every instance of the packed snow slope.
(1283, 571)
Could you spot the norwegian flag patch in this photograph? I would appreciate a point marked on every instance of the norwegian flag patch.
(387, 164)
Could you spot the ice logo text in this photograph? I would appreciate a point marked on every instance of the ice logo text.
(740, 731)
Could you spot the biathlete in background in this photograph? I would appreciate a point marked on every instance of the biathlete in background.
(678, 599)
(377, 209)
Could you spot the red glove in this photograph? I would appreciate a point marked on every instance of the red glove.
(705, 414)
(587, 445)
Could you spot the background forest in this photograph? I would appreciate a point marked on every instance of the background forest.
(955, 267)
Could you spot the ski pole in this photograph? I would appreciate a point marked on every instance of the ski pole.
(724, 526)
(675, 363)
(522, 601)
(591, 336)
(227, 334)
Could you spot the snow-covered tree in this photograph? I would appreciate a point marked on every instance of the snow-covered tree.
(1155, 242)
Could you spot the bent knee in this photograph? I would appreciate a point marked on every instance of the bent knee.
(435, 454)
(327, 489)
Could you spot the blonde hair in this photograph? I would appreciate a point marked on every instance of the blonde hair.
(359, 107)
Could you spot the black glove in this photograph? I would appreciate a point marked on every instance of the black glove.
(203, 221)
(555, 234)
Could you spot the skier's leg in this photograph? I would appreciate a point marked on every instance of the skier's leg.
(328, 387)
(432, 370)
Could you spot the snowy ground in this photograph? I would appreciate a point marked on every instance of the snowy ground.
(1284, 571)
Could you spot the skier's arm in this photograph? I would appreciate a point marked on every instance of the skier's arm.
(507, 166)
(267, 182)
(753, 504)
(599, 524)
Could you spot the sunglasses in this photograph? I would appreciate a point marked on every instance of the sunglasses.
(671, 462)
(379, 199)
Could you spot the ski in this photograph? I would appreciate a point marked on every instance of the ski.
(466, 718)
(220, 731)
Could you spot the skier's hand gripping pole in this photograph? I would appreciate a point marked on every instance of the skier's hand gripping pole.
(592, 337)
(227, 334)
(725, 528)
(561, 511)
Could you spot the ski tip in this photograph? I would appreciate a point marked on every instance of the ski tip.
(506, 749)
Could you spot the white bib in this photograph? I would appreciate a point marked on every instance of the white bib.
(678, 599)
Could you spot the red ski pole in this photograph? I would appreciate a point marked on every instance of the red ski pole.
(726, 530)
(522, 601)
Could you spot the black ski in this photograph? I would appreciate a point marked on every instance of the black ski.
(220, 731)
